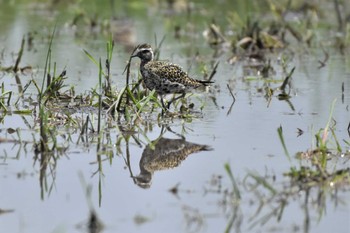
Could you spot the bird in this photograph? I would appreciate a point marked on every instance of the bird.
(162, 154)
(165, 77)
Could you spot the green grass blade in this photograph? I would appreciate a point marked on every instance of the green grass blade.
(234, 184)
(280, 135)
(325, 132)
(262, 181)
(131, 96)
(145, 101)
(91, 57)
(46, 64)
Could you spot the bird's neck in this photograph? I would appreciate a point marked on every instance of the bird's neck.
(144, 62)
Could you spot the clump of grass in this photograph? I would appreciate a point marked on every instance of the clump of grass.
(43, 147)
(54, 86)
(272, 198)
(253, 37)
(319, 172)
(309, 184)
(326, 137)
(281, 92)
(121, 101)
(3, 95)
(47, 149)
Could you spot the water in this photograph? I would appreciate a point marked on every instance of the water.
(244, 136)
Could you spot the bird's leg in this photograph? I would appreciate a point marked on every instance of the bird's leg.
(174, 99)
(163, 105)
(164, 108)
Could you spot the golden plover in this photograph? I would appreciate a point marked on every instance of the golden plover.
(164, 77)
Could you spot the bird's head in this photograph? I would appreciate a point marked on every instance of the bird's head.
(144, 52)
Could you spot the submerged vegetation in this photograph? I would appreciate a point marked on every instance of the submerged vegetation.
(262, 51)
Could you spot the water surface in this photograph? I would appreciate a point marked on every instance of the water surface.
(242, 134)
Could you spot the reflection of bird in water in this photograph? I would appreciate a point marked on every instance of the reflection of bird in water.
(166, 153)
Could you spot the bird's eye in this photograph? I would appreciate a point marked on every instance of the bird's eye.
(144, 51)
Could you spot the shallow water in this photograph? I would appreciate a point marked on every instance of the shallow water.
(55, 200)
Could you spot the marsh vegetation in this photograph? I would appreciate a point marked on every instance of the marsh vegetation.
(84, 146)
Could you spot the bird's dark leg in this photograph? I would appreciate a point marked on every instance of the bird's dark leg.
(164, 108)
(163, 105)
(174, 99)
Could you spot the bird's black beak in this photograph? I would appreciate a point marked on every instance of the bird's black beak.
(135, 52)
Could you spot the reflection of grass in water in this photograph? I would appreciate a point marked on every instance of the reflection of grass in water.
(280, 135)
(272, 199)
(314, 182)
(319, 157)
(139, 102)
(45, 148)
(130, 103)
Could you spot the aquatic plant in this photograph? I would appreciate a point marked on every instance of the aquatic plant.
(5, 93)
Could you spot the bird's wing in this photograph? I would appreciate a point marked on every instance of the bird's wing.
(169, 71)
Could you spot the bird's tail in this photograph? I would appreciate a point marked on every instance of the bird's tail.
(205, 82)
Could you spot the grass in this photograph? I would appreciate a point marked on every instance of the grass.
(3, 95)
(280, 135)
(129, 110)
(313, 184)
(123, 101)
